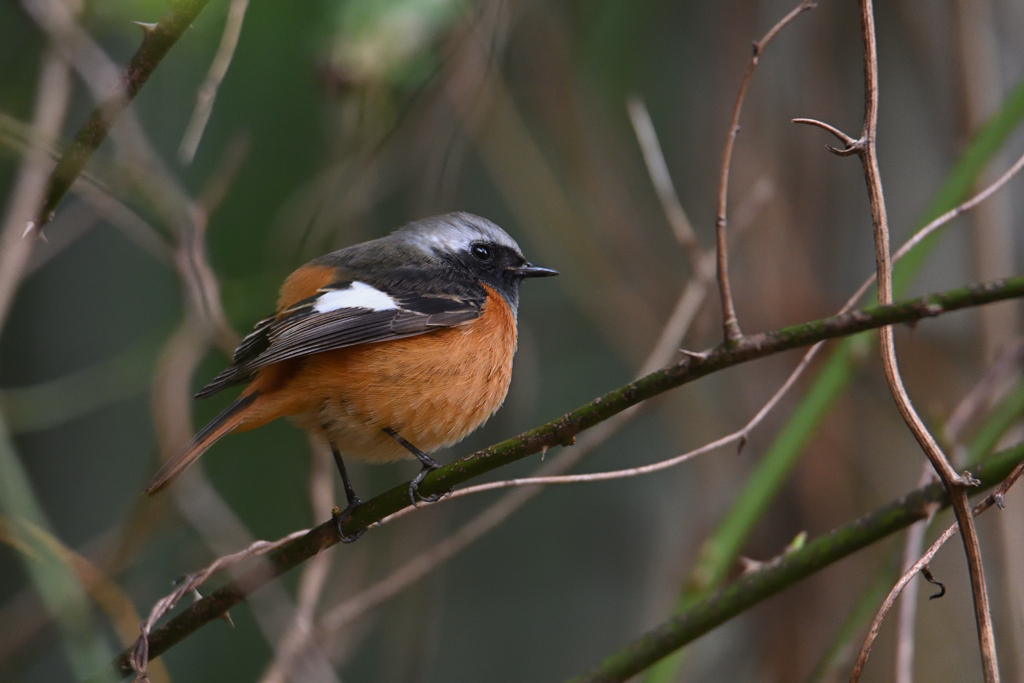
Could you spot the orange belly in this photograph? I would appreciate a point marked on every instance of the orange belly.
(432, 389)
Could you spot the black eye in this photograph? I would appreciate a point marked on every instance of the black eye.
(481, 252)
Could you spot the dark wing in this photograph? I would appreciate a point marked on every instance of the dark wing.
(339, 315)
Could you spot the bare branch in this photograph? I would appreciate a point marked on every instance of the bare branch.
(729, 320)
(657, 169)
(783, 571)
(207, 92)
(139, 658)
(155, 44)
(27, 194)
(288, 659)
(995, 498)
(738, 436)
(955, 484)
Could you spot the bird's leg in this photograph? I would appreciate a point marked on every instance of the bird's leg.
(353, 499)
(428, 465)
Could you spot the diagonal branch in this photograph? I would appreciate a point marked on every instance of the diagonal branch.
(563, 432)
(207, 92)
(158, 39)
(785, 570)
(995, 498)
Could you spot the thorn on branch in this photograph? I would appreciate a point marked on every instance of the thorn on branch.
(967, 480)
(146, 28)
(927, 574)
(851, 145)
(749, 565)
(696, 355)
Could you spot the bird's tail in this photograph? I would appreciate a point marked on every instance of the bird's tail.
(230, 418)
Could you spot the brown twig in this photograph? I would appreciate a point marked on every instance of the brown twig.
(27, 195)
(139, 659)
(907, 620)
(729, 320)
(207, 92)
(993, 385)
(995, 498)
(737, 437)
(657, 169)
(288, 659)
(865, 149)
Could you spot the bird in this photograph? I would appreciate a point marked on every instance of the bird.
(392, 348)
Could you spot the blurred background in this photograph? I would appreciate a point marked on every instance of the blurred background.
(337, 121)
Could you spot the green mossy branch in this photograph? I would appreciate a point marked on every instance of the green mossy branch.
(786, 570)
(158, 39)
(562, 432)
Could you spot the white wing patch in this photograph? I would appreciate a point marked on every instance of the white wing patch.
(356, 295)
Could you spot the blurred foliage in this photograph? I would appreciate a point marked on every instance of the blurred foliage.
(363, 115)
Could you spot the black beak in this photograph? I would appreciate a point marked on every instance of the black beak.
(530, 270)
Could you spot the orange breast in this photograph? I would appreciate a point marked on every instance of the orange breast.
(433, 389)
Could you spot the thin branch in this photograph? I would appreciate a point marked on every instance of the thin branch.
(955, 484)
(563, 432)
(52, 96)
(657, 169)
(780, 573)
(961, 209)
(906, 628)
(289, 656)
(850, 145)
(739, 436)
(995, 498)
(990, 389)
(158, 39)
(729, 320)
(207, 92)
(141, 652)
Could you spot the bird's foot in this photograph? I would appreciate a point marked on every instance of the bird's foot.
(340, 516)
(429, 465)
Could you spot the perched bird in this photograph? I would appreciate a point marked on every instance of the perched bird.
(393, 348)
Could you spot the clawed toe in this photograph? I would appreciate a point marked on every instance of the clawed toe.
(339, 520)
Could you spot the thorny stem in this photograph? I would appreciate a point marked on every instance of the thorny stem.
(563, 432)
(955, 484)
(729, 320)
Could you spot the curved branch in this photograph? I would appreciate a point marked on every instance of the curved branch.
(730, 323)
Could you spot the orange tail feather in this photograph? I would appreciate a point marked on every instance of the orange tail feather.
(230, 418)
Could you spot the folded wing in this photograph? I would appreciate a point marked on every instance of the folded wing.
(339, 315)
